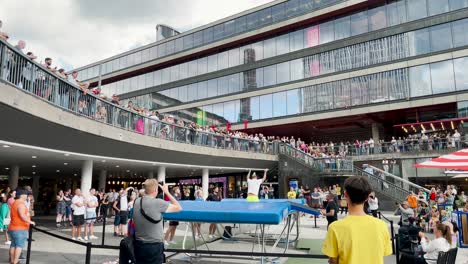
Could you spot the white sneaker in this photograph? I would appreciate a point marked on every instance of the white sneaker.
(80, 239)
(93, 237)
(73, 238)
(166, 243)
(86, 238)
(8, 243)
(210, 236)
(197, 238)
(172, 242)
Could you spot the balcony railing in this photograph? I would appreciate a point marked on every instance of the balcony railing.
(23, 73)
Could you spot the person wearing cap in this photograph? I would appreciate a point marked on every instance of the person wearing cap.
(19, 225)
(406, 213)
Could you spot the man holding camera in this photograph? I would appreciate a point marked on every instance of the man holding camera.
(406, 213)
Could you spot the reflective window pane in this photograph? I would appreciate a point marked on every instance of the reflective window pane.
(192, 93)
(198, 38)
(442, 77)
(296, 40)
(266, 106)
(223, 60)
(297, 69)
(278, 12)
(169, 48)
(208, 35)
(234, 57)
(188, 41)
(259, 77)
(279, 104)
(229, 28)
(184, 70)
(258, 48)
(234, 83)
(230, 111)
(282, 72)
(179, 45)
(341, 91)
(192, 67)
(311, 35)
(183, 95)
(293, 102)
(396, 13)
(377, 18)
(359, 90)
(174, 72)
(223, 85)
(417, 9)
(252, 20)
(264, 17)
(438, 7)
(327, 32)
(254, 112)
(241, 24)
(459, 30)
(420, 81)
(458, 4)
(282, 44)
(212, 88)
(359, 24)
(419, 42)
(202, 90)
(460, 66)
(343, 27)
(269, 48)
(441, 37)
(202, 65)
(213, 63)
(269, 75)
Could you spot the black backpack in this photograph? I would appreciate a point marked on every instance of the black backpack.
(127, 245)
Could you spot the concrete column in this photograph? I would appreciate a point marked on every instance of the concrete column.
(13, 177)
(205, 182)
(35, 186)
(86, 176)
(375, 132)
(162, 174)
(102, 180)
(150, 174)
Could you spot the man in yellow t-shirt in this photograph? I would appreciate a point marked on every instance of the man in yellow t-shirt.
(358, 238)
(292, 193)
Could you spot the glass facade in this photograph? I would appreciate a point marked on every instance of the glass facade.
(393, 13)
(400, 84)
(356, 56)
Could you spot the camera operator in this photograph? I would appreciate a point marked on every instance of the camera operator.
(373, 204)
(406, 213)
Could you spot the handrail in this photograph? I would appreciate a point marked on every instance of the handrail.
(377, 177)
(26, 74)
(400, 179)
(392, 231)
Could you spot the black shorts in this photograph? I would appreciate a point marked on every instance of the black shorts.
(173, 223)
(121, 218)
(78, 220)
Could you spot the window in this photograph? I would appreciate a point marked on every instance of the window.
(292, 8)
(359, 90)
(184, 70)
(162, 50)
(278, 12)
(223, 85)
(166, 75)
(258, 48)
(342, 28)
(282, 44)
(179, 44)
(174, 73)
(297, 69)
(212, 88)
(230, 111)
(438, 7)
(442, 77)
(359, 24)
(293, 102)
(229, 28)
(188, 41)
(269, 48)
(169, 48)
(213, 63)
(252, 20)
(223, 60)
(324, 97)
(241, 24)
(183, 95)
(420, 81)
(145, 55)
(234, 84)
(342, 93)
(280, 104)
(460, 36)
(192, 92)
(282, 72)
(198, 38)
(218, 32)
(264, 17)
(202, 65)
(458, 4)
(441, 37)
(327, 32)
(254, 111)
(266, 106)
(419, 42)
(208, 35)
(149, 79)
(311, 35)
(396, 13)
(202, 90)
(309, 98)
(377, 18)
(157, 77)
(192, 68)
(259, 78)
(234, 57)
(269, 75)
(417, 9)
(461, 77)
(296, 40)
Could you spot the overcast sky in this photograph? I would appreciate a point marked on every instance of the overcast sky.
(78, 32)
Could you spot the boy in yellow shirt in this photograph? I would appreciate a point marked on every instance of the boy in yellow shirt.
(292, 193)
(358, 238)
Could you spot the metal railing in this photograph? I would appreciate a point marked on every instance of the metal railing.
(20, 71)
(400, 146)
(399, 181)
(328, 164)
(381, 185)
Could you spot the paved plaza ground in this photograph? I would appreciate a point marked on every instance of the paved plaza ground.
(46, 249)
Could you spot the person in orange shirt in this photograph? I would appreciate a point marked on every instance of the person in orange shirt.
(19, 225)
(412, 200)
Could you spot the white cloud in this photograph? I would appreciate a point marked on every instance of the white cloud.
(78, 32)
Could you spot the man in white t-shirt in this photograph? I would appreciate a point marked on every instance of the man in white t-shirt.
(254, 185)
(91, 204)
(79, 209)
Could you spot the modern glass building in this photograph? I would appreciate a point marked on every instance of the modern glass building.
(309, 68)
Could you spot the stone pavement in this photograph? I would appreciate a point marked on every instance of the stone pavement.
(46, 249)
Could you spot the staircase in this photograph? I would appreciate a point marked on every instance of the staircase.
(386, 184)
